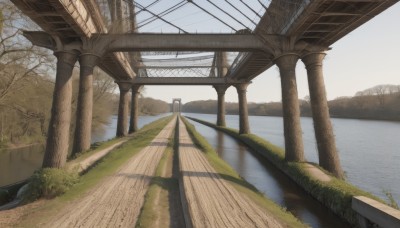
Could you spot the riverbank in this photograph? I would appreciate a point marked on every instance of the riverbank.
(40, 211)
(334, 194)
(131, 168)
(228, 174)
(310, 116)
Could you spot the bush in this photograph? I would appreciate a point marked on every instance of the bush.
(49, 183)
(4, 196)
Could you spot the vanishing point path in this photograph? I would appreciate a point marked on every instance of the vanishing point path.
(117, 201)
(209, 200)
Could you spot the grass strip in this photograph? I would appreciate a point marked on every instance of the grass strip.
(229, 174)
(336, 194)
(153, 208)
(94, 148)
(104, 168)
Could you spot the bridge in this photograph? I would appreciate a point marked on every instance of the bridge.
(108, 34)
(286, 32)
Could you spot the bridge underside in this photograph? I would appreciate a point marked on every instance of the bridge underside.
(287, 31)
(182, 81)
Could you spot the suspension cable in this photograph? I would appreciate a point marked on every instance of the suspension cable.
(161, 13)
(164, 13)
(227, 14)
(145, 8)
(140, 6)
(248, 18)
(250, 8)
(192, 1)
(262, 4)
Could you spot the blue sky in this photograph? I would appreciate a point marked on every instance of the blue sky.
(368, 56)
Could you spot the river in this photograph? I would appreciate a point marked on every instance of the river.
(369, 153)
(369, 150)
(18, 164)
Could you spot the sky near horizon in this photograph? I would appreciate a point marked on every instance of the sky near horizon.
(368, 56)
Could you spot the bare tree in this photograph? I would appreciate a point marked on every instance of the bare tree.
(23, 70)
(20, 61)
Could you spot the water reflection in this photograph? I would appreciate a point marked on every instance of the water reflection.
(18, 164)
(272, 182)
(369, 150)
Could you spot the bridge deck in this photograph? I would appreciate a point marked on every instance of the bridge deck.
(212, 202)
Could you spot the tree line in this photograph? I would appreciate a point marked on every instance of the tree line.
(380, 102)
(27, 84)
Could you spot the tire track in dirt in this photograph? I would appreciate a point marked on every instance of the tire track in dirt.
(212, 201)
(117, 201)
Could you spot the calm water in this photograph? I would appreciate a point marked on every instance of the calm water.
(369, 150)
(269, 180)
(19, 164)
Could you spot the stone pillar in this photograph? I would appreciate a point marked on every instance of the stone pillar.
(133, 125)
(328, 156)
(58, 134)
(83, 127)
(221, 89)
(243, 113)
(222, 63)
(122, 124)
(294, 149)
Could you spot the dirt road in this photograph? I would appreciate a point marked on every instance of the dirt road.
(116, 202)
(212, 202)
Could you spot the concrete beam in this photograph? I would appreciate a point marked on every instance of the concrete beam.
(375, 212)
(181, 42)
(183, 81)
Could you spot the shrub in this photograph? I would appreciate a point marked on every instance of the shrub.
(49, 183)
(4, 196)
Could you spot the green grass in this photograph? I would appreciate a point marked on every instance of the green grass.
(94, 148)
(335, 194)
(148, 213)
(230, 175)
(104, 168)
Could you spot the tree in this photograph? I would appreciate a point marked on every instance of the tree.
(23, 77)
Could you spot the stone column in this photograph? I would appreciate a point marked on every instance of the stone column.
(222, 68)
(133, 125)
(243, 113)
(221, 89)
(58, 134)
(328, 156)
(122, 124)
(294, 149)
(83, 127)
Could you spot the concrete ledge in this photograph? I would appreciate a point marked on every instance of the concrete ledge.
(372, 211)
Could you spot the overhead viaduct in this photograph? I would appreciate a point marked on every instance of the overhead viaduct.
(302, 30)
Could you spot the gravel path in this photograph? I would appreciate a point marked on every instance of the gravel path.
(116, 202)
(211, 201)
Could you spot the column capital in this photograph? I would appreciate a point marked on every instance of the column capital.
(311, 59)
(242, 87)
(136, 88)
(221, 89)
(68, 57)
(88, 59)
(124, 86)
(286, 60)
